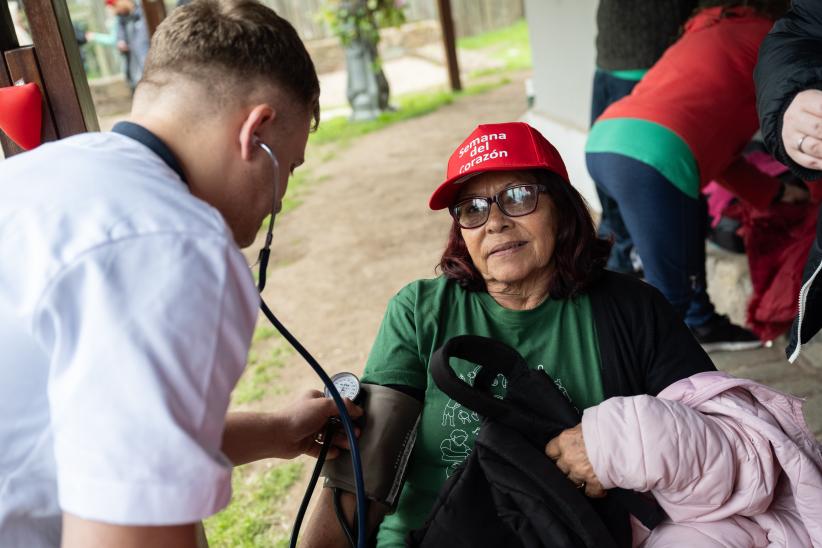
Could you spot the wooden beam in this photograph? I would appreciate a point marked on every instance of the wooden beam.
(64, 80)
(154, 11)
(22, 65)
(450, 42)
(8, 40)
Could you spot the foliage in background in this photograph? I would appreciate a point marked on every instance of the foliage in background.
(412, 105)
(362, 19)
(253, 518)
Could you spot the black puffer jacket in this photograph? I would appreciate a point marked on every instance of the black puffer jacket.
(790, 61)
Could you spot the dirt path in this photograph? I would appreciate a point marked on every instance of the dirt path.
(363, 233)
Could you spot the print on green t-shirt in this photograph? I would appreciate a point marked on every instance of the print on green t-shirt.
(557, 337)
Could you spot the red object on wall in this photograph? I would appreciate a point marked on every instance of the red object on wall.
(21, 114)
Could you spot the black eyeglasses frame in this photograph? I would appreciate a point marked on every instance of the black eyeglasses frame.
(495, 199)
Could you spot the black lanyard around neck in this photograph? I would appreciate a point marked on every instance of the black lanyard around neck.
(152, 142)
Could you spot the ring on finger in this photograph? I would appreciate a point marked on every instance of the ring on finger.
(581, 485)
(319, 439)
(799, 144)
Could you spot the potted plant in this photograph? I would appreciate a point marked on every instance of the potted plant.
(357, 23)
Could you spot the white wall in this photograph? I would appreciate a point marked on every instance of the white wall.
(562, 34)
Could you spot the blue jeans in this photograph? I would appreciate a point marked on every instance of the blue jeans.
(668, 229)
(608, 89)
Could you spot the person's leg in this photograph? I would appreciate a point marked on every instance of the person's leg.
(669, 232)
(660, 218)
(606, 90)
(701, 309)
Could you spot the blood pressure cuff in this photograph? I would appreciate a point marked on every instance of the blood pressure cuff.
(388, 432)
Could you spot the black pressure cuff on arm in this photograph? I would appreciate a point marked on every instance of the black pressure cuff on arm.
(388, 432)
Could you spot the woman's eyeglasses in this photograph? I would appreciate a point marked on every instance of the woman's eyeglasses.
(513, 201)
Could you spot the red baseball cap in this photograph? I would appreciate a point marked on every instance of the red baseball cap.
(496, 147)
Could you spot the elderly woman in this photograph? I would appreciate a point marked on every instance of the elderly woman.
(523, 265)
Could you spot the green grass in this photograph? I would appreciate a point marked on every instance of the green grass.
(509, 45)
(412, 105)
(262, 369)
(252, 520)
(263, 332)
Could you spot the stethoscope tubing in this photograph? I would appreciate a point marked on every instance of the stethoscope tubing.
(345, 418)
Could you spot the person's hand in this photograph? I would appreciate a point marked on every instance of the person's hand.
(305, 419)
(568, 451)
(122, 47)
(802, 125)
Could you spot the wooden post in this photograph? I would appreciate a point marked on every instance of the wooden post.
(64, 80)
(450, 43)
(154, 11)
(8, 41)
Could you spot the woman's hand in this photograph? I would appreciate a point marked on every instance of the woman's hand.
(802, 129)
(568, 451)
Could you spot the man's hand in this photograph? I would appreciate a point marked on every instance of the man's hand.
(122, 46)
(285, 433)
(802, 124)
(568, 451)
(305, 419)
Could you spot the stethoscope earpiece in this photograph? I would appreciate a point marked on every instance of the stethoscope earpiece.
(266, 250)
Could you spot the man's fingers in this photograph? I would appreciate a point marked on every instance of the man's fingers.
(311, 395)
(353, 409)
(341, 439)
(330, 408)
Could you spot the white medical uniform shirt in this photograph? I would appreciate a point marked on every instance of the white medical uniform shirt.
(126, 313)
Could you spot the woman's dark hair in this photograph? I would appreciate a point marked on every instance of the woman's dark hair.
(579, 255)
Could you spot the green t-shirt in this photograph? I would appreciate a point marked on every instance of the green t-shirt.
(558, 337)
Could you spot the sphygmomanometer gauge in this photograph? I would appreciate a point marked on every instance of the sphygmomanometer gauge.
(347, 384)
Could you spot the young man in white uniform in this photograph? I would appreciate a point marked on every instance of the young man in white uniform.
(126, 307)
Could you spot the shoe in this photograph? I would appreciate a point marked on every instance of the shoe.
(720, 334)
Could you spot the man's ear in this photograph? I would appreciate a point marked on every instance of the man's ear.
(259, 119)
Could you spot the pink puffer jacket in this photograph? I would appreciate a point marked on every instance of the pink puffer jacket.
(730, 461)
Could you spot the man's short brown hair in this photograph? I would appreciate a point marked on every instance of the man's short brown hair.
(223, 43)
